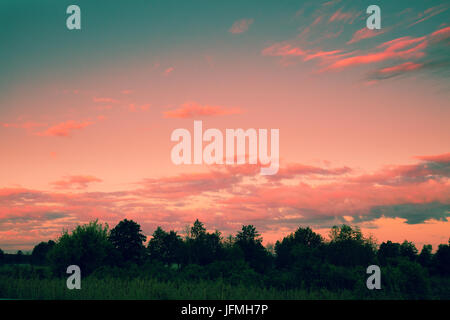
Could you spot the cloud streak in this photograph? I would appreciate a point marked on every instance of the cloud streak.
(65, 129)
(75, 182)
(194, 109)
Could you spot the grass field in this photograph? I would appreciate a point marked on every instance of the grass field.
(114, 288)
(36, 282)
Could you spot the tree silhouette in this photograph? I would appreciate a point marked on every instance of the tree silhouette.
(203, 247)
(87, 246)
(441, 259)
(408, 250)
(297, 244)
(40, 251)
(348, 247)
(250, 242)
(197, 230)
(166, 247)
(128, 240)
(388, 251)
(425, 255)
(2, 256)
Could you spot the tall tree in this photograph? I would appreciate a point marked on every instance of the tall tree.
(87, 246)
(303, 241)
(425, 255)
(40, 251)
(166, 247)
(408, 250)
(128, 239)
(388, 251)
(348, 247)
(250, 242)
(197, 230)
(441, 259)
(203, 247)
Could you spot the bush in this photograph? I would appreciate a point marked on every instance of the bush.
(87, 246)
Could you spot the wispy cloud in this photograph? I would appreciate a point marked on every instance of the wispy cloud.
(401, 48)
(429, 13)
(65, 129)
(168, 71)
(344, 16)
(194, 109)
(241, 26)
(365, 33)
(75, 182)
(396, 70)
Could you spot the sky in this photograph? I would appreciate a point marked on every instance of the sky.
(86, 116)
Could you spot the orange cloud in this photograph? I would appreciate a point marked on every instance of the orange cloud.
(193, 109)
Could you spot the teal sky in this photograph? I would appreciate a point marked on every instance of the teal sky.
(36, 41)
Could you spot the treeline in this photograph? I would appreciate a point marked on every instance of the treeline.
(301, 260)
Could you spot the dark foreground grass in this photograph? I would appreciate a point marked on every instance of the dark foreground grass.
(116, 288)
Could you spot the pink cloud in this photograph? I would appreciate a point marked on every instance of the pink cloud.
(317, 20)
(241, 26)
(407, 66)
(193, 109)
(321, 54)
(288, 51)
(64, 129)
(343, 16)
(293, 170)
(429, 13)
(75, 182)
(440, 35)
(283, 50)
(401, 48)
(396, 70)
(168, 71)
(365, 33)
